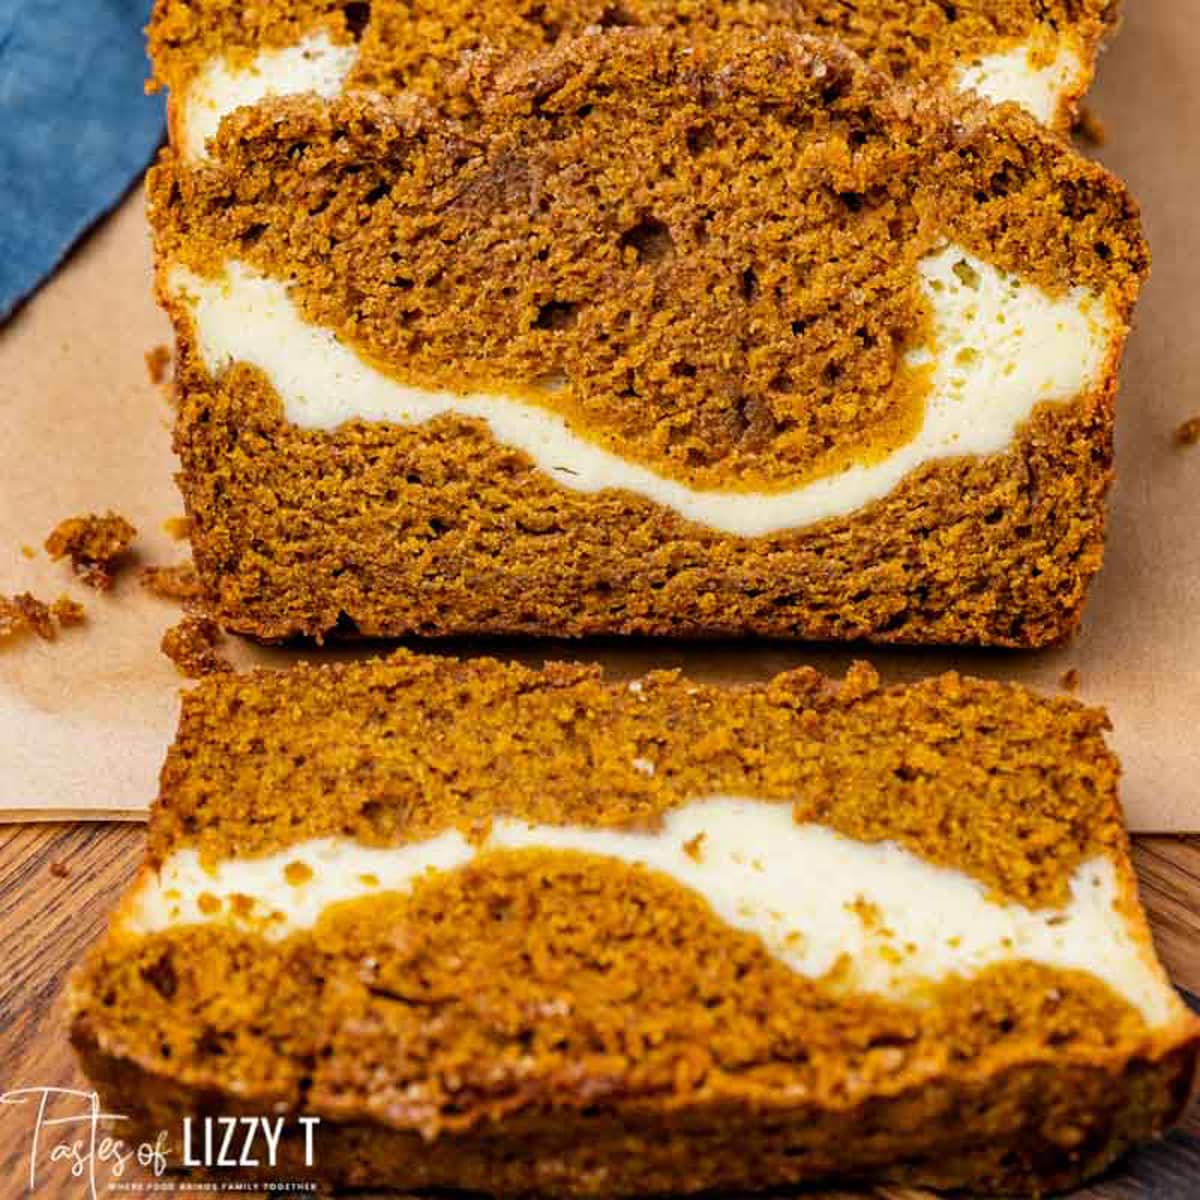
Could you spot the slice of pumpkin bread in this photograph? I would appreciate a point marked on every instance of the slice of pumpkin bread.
(532, 932)
(214, 55)
(667, 341)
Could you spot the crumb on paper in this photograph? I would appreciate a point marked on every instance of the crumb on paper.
(28, 551)
(68, 612)
(59, 870)
(694, 847)
(27, 614)
(1188, 434)
(158, 363)
(37, 615)
(1070, 680)
(180, 528)
(93, 544)
(192, 647)
(179, 582)
(1089, 129)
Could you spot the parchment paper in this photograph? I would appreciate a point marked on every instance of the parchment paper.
(84, 721)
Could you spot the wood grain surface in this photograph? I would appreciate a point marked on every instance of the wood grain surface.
(58, 883)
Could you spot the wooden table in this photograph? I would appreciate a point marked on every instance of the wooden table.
(58, 882)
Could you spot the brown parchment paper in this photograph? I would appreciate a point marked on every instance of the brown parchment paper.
(84, 721)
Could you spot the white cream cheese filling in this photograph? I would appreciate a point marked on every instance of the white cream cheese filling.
(1014, 75)
(888, 921)
(1001, 346)
(315, 64)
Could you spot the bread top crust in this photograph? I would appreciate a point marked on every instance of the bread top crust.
(412, 44)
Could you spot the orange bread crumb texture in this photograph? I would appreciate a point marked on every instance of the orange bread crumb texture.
(93, 544)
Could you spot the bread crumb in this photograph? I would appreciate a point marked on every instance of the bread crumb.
(27, 614)
(179, 582)
(1070, 680)
(191, 646)
(68, 612)
(37, 613)
(694, 847)
(28, 551)
(158, 362)
(1188, 434)
(59, 870)
(180, 528)
(93, 544)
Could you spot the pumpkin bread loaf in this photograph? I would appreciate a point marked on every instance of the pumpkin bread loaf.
(666, 339)
(532, 932)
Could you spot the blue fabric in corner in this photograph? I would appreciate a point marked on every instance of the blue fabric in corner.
(76, 129)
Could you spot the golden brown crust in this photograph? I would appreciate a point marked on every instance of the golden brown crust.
(414, 44)
(440, 530)
(732, 1150)
(1015, 789)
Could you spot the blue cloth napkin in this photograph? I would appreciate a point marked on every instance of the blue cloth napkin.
(76, 129)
